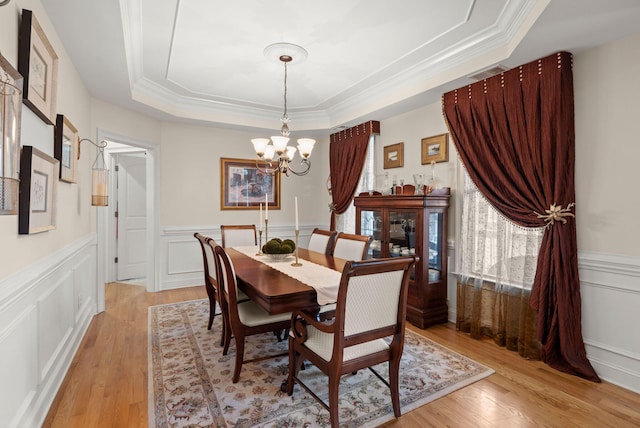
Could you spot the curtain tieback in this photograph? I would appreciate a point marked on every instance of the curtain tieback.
(556, 213)
(332, 207)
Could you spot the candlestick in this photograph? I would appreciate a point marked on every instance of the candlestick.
(260, 217)
(266, 230)
(296, 213)
(259, 253)
(296, 263)
(266, 207)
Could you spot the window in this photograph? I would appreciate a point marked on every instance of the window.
(346, 222)
(493, 248)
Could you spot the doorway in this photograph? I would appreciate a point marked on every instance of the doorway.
(133, 199)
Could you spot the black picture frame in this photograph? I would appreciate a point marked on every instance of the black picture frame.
(38, 64)
(39, 174)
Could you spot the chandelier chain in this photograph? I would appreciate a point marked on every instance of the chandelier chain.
(285, 92)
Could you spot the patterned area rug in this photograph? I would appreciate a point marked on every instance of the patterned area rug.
(190, 380)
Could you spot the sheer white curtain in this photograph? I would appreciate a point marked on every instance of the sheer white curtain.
(346, 222)
(496, 267)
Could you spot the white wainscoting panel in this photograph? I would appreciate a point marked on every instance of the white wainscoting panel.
(610, 290)
(181, 263)
(45, 310)
(18, 364)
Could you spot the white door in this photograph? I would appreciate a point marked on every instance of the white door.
(131, 216)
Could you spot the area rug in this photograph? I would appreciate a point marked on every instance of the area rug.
(190, 380)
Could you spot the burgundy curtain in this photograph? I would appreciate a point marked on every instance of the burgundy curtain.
(514, 133)
(347, 153)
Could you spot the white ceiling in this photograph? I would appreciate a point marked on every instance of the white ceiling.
(367, 59)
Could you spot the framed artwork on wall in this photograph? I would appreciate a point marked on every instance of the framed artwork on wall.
(39, 174)
(394, 156)
(65, 148)
(435, 149)
(243, 186)
(38, 64)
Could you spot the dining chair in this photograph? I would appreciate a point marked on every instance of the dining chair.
(238, 235)
(246, 318)
(351, 247)
(210, 275)
(322, 241)
(371, 306)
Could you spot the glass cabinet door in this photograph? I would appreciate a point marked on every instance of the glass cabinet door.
(435, 246)
(402, 233)
(371, 225)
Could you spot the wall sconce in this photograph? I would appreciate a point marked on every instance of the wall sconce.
(10, 116)
(99, 176)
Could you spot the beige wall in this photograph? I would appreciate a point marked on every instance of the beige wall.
(74, 212)
(608, 147)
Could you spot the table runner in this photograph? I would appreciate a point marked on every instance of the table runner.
(324, 280)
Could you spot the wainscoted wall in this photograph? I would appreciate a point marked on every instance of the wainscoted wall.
(181, 257)
(610, 288)
(44, 313)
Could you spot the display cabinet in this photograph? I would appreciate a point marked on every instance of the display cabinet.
(412, 224)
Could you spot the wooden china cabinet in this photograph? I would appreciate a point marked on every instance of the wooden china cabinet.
(404, 224)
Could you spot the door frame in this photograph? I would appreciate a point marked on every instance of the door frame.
(105, 264)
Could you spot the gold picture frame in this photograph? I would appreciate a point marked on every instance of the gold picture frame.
(38, 64)
(394, 156)
(435, 149)
(65, 148)
(243, 186)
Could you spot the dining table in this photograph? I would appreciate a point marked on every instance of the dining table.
(278, 287)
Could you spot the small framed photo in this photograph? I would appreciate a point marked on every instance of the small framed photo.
(38, 185)
(394, 156)
(435, 149)
(244, 186)
(38, 64)
(65, 148)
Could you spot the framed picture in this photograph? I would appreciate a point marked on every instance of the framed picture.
(38, 185)
(38, 64)
(394, 156)
(435, 149)
(65, 148)
(244, 186)
(10, 126)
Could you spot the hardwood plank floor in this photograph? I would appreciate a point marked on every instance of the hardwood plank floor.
(106, 385)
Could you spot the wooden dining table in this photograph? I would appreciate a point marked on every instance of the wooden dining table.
(275, 291)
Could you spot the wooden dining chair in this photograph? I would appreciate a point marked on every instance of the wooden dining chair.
(238, 235)
(246, 318)
(210, 274)
(351, 247)
(371, 306)
(321, 241)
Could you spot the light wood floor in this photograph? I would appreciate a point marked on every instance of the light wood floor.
(106, 385)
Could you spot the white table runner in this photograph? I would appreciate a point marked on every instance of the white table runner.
(324, 280)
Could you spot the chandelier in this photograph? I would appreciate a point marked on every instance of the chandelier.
(275, 154)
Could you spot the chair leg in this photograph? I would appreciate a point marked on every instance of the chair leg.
(294, 367)
(212, 312)
(394, 374)
(334, 411)
(226, 333)
(239, 358)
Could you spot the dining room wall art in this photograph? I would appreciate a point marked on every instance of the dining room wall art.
(10, 125)
(38, 187)
(394, 156)
(244, 186)
(38, 64)
(65, 148)
(435, 149)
